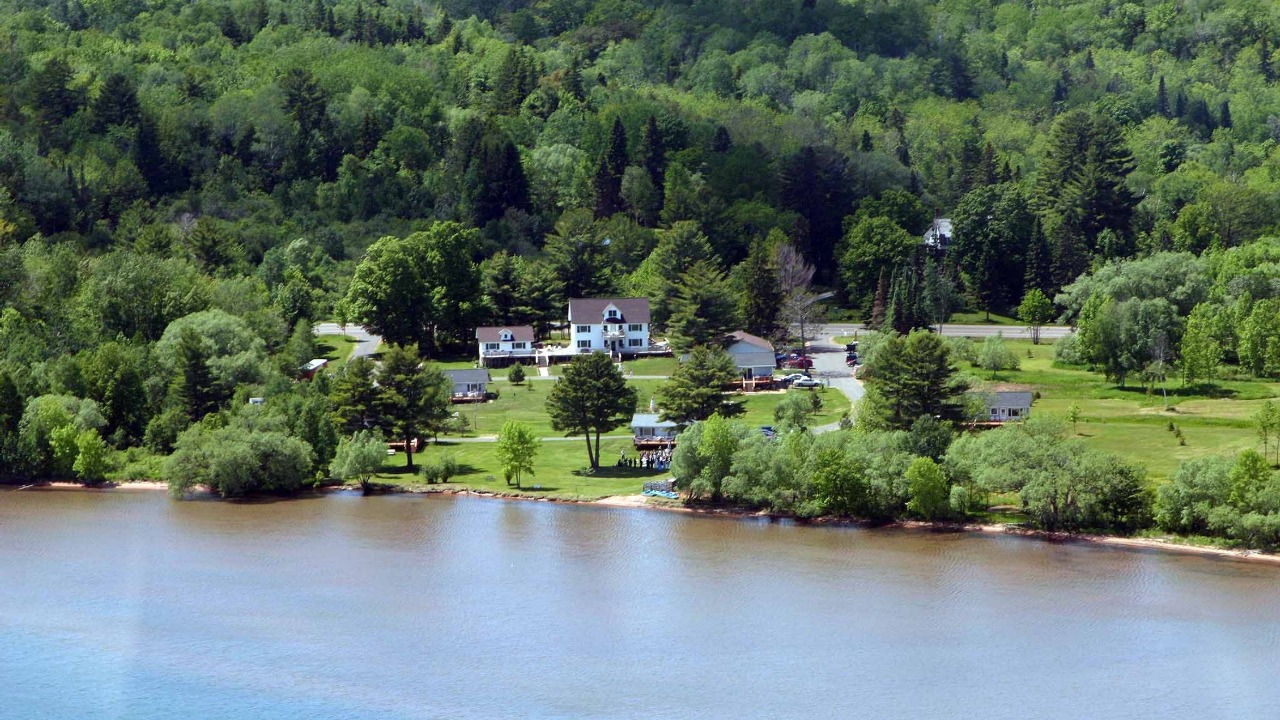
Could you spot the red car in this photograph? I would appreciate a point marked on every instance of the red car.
(801, 362)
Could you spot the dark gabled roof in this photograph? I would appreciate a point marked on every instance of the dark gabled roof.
(590, 311)
(748, 338)
(467, 376)
(519, 333)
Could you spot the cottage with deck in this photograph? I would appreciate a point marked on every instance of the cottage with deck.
(500, 346)
(618, 326)
(468, 385)
(650, 430)
(753, 355)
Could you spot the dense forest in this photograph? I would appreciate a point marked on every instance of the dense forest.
(186, 186)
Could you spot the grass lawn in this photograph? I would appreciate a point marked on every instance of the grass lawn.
(335, 348)
(760, 406)
(556, 470)
(843, 340)
(980, 318)
(651, 366)
(1132, 422)
(527, 403)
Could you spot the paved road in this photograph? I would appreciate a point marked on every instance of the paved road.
(366, 343)
(1048, 332)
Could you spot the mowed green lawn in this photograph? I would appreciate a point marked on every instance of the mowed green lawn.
(335, 348)
(558, 469)
(1132, 422)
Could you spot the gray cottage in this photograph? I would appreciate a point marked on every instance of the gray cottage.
(753, 355)
(468, 385)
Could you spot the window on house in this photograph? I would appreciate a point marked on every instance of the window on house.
(634, 342)
(635, 327)
(474, 387)
(612, 313)
(506, 337)
(518, 346)
(584, 328)
(491, 346)
(584, 343)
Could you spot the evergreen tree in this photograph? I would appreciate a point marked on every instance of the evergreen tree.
(721, 141)
(500, 280)
(879, 307)
(1224, 114)
(816, 186)
(609, 170)
(653, 154)
(572, 79)
(761, 298)
(910, 377)
(494, 182)
(194, 388)
(354, 398)
(704, 310)
(699, 388)
(1162, 99)
(1039, 262)
(865, 145)
(679, 248)
(517, 77)
(579, 257)
(115, 104)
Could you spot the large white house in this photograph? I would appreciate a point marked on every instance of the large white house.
(618, 326)
(501, 345)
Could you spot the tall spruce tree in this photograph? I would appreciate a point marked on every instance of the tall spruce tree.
(761, 296)
(704, 310)
(610, 167)
(699, 388)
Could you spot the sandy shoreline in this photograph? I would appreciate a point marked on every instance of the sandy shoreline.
(642, 502)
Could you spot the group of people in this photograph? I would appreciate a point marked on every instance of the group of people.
(648, 459)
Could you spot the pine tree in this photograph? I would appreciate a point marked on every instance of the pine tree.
(1039, 262)
(354, 397)
(879, 307)
(609, 170)
(414, 401)
(653, 153)
(721, 141)
(761, 292)
(115, 104)
(987, 172)
(704, 310)
(572, 80)
(592, 397)
(699, 388)
(193, 386)
(1162, 99)
(865, 145)
(1224, 115)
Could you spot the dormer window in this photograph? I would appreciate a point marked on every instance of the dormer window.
(611, 313)
(506, 336)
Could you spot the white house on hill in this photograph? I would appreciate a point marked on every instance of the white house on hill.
(753, 355)
(498, 345)
(618, 326)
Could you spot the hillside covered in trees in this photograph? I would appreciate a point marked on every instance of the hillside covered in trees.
(186, 186)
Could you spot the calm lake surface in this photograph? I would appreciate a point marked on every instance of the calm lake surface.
(131, 605)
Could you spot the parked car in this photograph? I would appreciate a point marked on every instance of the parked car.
(851, 360)
(803, 362)
(768, 431)
(807, 382)
(788, 379)
(851, 347)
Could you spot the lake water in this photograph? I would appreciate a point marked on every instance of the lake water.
(131, 605)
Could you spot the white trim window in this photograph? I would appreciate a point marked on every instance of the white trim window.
(583, 329)
(635, 327)
(519, 346)
(634, 342)
(584, 344)
(492, 346)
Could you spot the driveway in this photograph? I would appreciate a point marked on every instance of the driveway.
(829, 367)
(366, 343)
